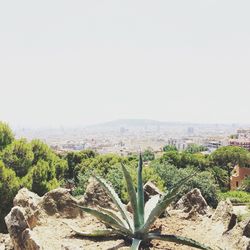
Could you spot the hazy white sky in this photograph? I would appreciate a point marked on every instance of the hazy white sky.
(80, 62)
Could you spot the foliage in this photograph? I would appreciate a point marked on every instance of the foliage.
(138, 227)
(195, 148)
(229, 156)
(235, 196)
(6, 135)
(184, 159)
(220, 176)
(18, 156)
(245, 185)
(113, 173)
(75, 158)
(43, 178)
(168, 147)
(9, 186)
(171, 175)
(148, 155)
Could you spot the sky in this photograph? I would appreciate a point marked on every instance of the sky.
(74, 63)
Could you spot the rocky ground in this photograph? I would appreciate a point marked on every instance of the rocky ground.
(46, 223)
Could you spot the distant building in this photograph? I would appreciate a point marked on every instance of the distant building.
(241, 139)
(244, 143)
(239, 174)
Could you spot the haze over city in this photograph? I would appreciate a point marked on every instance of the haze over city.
(84, 62)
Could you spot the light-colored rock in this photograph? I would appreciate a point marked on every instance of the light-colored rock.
(17, 223)
(5, 242)
(59, 201)
(30, 202)
(193, 201)
(95, 195)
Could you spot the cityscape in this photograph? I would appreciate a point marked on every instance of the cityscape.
(133, 135)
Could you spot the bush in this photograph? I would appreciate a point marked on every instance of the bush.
(9, 186)
(109, 167)
(18, 156)
(6, 135)
(171, 175)
(235, 196)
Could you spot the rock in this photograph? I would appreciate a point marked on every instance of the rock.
(59, 201)
(150, 190)
(224, 213)
(16, 223)
(5, 242)
(246, 230)
(31, 204)
(95, 195)
(193, 202)
(31, 241)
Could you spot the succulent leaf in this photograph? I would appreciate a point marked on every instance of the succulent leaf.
(135, 244)
(150, 205)
(140, 192)
(113, 214)
(178, 239)
(115, 198)
(106, 219)
(132, 198)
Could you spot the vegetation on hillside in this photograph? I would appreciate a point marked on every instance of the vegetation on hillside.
(36, 166)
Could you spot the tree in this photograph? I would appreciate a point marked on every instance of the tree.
(204, 180)
(75, 158)
(18, 156)
(6, 135)
(43, 152)
(169, 148)
(148, 155)
(229, 156)
(195, 148)
(43, 178)
(9, 186)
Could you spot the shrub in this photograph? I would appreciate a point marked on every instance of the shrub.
(9, 186)
(235, 196)
(203, 180)
(18, 156)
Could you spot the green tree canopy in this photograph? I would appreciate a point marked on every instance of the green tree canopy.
(170, 148)
(228, 156)
(43, 178)
(148, 155)
(6, 135)
(18, 156)
(9, 186)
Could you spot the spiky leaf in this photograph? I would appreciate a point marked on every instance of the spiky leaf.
(132, 197)
(150, 205)
(106, 219)
(96, 233)
(135, 244)
(179, 240)
(115, 198)
(140, 192)
(116, 216)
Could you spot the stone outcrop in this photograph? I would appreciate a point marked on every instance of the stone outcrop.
(193, 201)
(60, 202)
(95, 195)
(5, 242)
(224, 213)
(30, 210)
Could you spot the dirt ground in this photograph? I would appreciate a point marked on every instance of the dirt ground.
(56, 233)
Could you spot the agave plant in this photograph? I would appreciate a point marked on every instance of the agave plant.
(137, 225)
